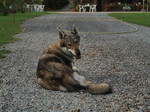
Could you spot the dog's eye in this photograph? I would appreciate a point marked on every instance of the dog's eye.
(69, 44)
(76, 41)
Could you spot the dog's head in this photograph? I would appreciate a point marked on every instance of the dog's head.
(70, 42)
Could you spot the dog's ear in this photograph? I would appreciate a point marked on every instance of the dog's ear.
(74, 30)
(61, 34)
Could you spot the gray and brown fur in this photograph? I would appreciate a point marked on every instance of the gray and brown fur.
(55, 71)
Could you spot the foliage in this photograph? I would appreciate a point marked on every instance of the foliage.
(4, 6)
(38, 2)
(2, 52)
(7, 6)
(86, 1)
(28, 2)
(137, 18)
(8, 29)
(106, 7)
(35, 2)
(74, 3)
(55, 4)
(19, 5)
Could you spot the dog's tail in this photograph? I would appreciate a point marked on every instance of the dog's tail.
(87, 86)
(102, 88)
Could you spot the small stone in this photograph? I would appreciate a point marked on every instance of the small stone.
(1, 82)
(19, 69)
(40, 109)
(77, 110)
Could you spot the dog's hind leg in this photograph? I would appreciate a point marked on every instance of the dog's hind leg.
(73, 84)
(43, 83)
(51, 85)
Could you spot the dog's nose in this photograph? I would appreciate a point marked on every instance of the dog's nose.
(78, 52)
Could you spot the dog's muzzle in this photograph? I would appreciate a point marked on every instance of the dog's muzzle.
(78, 54)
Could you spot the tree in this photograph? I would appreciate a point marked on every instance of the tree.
(54, 4)
(148, 4)
(4, 6)
(74, 3)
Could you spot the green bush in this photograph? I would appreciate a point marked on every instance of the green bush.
(74, 3)
(4, 7)
(38, 2)
(61, 3)
(55, 4)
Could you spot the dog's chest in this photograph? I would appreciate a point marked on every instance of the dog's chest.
(66, 51)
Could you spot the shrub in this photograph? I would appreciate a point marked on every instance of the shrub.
(74, 3)
(38, 1)
(55, 4)
(4, 7)
(61, 3)
(106, 7)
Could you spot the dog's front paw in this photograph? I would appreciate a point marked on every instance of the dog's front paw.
(74, 68)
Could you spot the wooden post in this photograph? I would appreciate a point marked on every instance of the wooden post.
(143, 5)
(30, 8)
(147, 6)
(13, 12)
(13, 15)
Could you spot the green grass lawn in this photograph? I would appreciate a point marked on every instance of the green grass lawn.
(136, 18)
(8, 29)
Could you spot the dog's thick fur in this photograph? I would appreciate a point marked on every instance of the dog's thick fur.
(55, 70)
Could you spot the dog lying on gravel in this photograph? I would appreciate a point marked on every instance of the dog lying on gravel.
(55, 72)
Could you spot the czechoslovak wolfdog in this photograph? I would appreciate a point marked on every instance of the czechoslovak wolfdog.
(55, 71)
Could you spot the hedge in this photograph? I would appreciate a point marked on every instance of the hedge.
(55, 4)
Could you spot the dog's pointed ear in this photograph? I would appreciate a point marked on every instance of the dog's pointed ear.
(74, 30)
(61, 34)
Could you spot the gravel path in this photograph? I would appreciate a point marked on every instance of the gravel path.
(122, 60)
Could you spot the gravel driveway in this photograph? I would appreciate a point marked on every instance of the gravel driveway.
(122, 60)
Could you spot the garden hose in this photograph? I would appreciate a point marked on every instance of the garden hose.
(127, 24)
